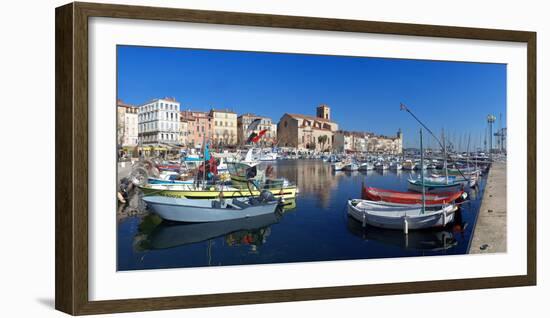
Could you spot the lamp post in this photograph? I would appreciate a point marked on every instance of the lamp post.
(490, 120)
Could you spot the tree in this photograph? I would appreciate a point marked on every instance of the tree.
(322, 141)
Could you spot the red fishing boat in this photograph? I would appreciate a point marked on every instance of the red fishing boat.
(375, 194)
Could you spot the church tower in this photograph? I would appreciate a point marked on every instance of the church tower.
(323, 111)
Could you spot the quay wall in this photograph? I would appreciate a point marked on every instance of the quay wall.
(490, 231)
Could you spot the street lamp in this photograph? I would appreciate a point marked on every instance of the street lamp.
(490, 120)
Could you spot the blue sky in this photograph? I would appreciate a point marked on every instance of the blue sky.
(364, 93)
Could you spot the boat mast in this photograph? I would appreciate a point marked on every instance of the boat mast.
(444, 156)
(468, 154)
(422, 173)
(204, 154)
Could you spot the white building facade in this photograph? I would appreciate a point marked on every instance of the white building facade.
(159, 122)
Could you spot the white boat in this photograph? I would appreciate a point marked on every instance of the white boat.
(395, 166)
(381, 166)
(466, 182)
(338, 166)
(400, 217)
(408, 165)
(351, 167)
(204, 210)
(366, 166)
(268, 156)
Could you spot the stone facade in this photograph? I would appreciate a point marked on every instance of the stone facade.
(307, 132)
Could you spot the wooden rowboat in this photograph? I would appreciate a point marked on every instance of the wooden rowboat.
(375, 194)
(396, 217)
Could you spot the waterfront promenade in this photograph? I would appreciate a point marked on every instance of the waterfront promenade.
(490, 231)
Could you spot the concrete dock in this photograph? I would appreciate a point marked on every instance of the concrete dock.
(490, 231)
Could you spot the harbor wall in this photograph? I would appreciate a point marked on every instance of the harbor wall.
(490, 230)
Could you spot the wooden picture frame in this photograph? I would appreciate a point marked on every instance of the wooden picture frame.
(71, 90)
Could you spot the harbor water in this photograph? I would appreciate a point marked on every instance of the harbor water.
(314, 227)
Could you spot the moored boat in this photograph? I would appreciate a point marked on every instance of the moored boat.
(214, 191)
(365, 166)
(404, 217)
(376, 194)
(192, 210)
(338, 166)
(408, 165)
(435, 187)
(351, 167)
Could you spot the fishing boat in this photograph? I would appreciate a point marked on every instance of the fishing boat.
(365, 166)
(465, 181)
(193, 210)
(434, 187)
(338, 166)
(152, 180)
(400, 217)
(351, 166)
(403, 216)
(391, 196)
(215, 191)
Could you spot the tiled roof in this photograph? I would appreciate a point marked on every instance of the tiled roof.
(309, 117)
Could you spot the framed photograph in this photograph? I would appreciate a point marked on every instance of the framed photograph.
(211, 158)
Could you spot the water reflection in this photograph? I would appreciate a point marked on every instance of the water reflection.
(154, 234)
(430, 240)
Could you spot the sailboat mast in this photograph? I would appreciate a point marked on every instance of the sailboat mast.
(468, 154)
(444, 156)
(422, 173)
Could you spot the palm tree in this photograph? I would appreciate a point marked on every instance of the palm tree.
(322, 140)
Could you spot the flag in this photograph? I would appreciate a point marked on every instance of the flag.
(254, 124)
(402, 107)
(251, 137)
(257, 138)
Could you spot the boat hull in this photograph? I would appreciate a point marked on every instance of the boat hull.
(198, 211)
(436, 188)
(374, 194)
(404, 219)
(189, 192)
